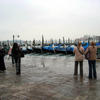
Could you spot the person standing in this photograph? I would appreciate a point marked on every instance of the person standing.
(10, 54)
(92, 60)
(16, 54)
(2, 63)
(78, 51)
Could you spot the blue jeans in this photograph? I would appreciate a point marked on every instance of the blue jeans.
(92, 69)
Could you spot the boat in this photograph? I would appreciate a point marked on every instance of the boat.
(37, 49)
(70, 49)
(50, 48)
(61, 48)
(29, 49)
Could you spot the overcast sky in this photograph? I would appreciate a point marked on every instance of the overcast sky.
(52, 18)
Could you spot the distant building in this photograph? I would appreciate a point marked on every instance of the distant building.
(98, 38)
(87, 38)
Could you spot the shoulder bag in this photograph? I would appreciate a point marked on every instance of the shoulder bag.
(87, 55)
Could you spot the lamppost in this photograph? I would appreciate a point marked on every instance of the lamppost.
(14, 38)
(89, 40)
(18, 38)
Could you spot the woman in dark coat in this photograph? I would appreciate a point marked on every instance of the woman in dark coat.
(2, 63)
(16, 54)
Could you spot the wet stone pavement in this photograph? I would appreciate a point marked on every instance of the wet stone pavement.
(48, 78)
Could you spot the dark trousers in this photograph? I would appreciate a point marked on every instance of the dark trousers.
(2, 64)
(18, 65)
(92, 69)
(12, 60)
(76, 68)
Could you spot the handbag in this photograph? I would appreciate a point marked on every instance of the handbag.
(21, 54)
(87, 55)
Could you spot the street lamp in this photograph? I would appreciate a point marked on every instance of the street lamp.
(18, 36)
(14, 38)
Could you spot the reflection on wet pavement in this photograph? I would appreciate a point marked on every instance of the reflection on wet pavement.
(48, 78)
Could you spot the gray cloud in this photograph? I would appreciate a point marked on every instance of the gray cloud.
(53, 18)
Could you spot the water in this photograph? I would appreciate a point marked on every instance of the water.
(48, 77)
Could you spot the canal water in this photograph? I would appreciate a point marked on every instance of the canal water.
(48, 77)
